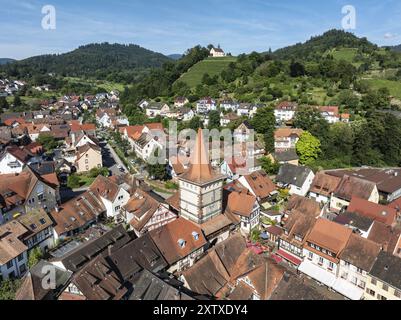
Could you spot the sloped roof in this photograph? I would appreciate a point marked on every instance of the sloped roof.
(329, 235)
(372, 210)
(387, 268)
(293, 175)
(167, 239)
(350, 187)
(360, 252)
(260, 183)
(324, 184)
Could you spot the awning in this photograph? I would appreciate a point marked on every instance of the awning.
(289, 257)
(348, 290)
(318, 273)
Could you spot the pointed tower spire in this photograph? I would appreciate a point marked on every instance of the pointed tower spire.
(200, 169)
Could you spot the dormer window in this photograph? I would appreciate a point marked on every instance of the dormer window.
(195, 235)
(181, 243)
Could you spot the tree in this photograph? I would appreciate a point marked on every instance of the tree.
(95, 172)
(297, 69)
(35, 256)
(269, 166)
(308, 148)
(195, 123)
(17, 101)
(48, 142)
(159, 170)
(3, 103)
(8, 289)
(73, 181)
(214, 120)
(264, 123)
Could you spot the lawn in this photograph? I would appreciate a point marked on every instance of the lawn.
(107, 85)
(393, 86)
(212, 66)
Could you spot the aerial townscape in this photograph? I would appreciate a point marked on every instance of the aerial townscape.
(313, 213)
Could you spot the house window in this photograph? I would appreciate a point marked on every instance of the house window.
(344, 275)
(397, 293)
(362, 284)
(385, 287)
(321, 261)
(354, 280)
(86, 161)
(20, 257)
(22, 269)
(380, 297)
(371, 292)
(331, 266)
(310, 256)
(9, 264)
(117, 208)
(374, 282)
(359, 270)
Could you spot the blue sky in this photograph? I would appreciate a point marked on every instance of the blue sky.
(172, 26)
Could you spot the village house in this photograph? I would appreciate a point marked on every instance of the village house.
(299, 218)
(322, 250)
(229, 105)
(144, 213)
(179, 102)
(155, 109)
(31, 288)
(356, 261)
(87, 157)
(350, 187)
(13, 252)
(323, 186)
(360, 224)
(285, 156)
(112, 195)
(13, 160)
(374, 211)
(185, 114)
(384, 281)
(244, 110)
(259, 184)
(297, 179)
(388, 181)
(330, 114)
(285, 111)
(181, 243)
(246, 210)
(286, 138)
(226, 119)
(205, 105)
(26, 192)
(105, 117)
(235, 169)
(244, 133)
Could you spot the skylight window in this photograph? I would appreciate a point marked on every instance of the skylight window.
(181, 243)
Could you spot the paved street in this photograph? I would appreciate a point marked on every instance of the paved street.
(111, 160)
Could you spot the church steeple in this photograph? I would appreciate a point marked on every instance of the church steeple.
(200, 187)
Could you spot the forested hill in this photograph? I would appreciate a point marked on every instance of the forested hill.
(316, 46)
(98, 61)
(5, 60)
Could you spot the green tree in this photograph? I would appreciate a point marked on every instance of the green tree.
(35, 256)
(269, 166)
(195, 123)
(214, 120)
(73, 181)
(3, 103)
(8, 289)
(17, 101)
(48, 142)
(95, 172)
(159, 170)
(264, 123)
(308, 148)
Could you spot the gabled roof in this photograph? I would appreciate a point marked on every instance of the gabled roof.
(373, 210)
(287, 132)
(387, 268)
(350, 187)
(304, 205)
(360, 252)
(293, 175)
(324, 184)
(176, 240)
(241, 203)
(260, 184)
(31, 287)
(11, 245)
(329, 235)
(98, 281)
